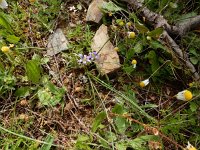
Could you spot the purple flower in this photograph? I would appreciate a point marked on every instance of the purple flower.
(93, 56)
(84, 59)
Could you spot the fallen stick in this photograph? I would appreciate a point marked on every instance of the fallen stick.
(159, 21)
(188, 25)
(149, 129)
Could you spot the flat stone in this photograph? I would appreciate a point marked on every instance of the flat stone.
(57, 42)
(108, 61)
(94, 13)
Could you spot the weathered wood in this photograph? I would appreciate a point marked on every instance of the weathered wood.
(159, 21)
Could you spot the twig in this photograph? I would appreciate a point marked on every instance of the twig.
(148, 128)
(188, 25)
(159, 21)
(182, 55)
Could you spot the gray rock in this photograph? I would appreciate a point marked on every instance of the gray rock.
(57, 42)
(94, 13)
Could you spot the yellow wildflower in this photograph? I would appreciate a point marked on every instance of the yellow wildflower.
(191, 84)
(128, 24)
(110, 14)
(131, 35)
(116, 49)
(134, 63)
(144, 83)
(190, 147)
(5, 49)
(121, 23)
(185, 95)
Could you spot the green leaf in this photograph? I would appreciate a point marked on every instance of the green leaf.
(118, 109)
(12, 39)
(120, 122)
(50, 95)
(79, 7)
(155, 33)
(83, 138)
(44, 96)
(5, 22)
(128, 69)
(45, 60)
(33, 71)
(129, 55)
(23, 92)
(173, 5)
(4, 33)
(82, 141)
(2, 68)
(118, 21)
(153, 59)
(138, 143)
(110, 7)
(18, 142)
(97, 121)
(142, 29)
(49, 139)
(193, 106)
(193, 51)
(138, 48)
(54, 89)
(194, 60)
(111, 137)
(134, 17)
(121, 146)
(156, 45)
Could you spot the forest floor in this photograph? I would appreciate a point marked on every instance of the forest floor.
(58, 102)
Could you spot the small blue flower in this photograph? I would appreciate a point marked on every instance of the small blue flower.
(84, 59)
(93, 56)
(87, 59)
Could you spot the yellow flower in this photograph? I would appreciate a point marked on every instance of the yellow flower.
(185, 95)
(128, 24)
(110, 14)
(191, 84)
(134, 62)
(144, 83)
(120, 22)
(116, 49)
(131, 35)
(190, 147)
(5, 49)
(3, 4)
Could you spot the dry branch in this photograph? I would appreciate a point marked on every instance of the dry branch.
(188, 25)
(158, 20)
(149, 129)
